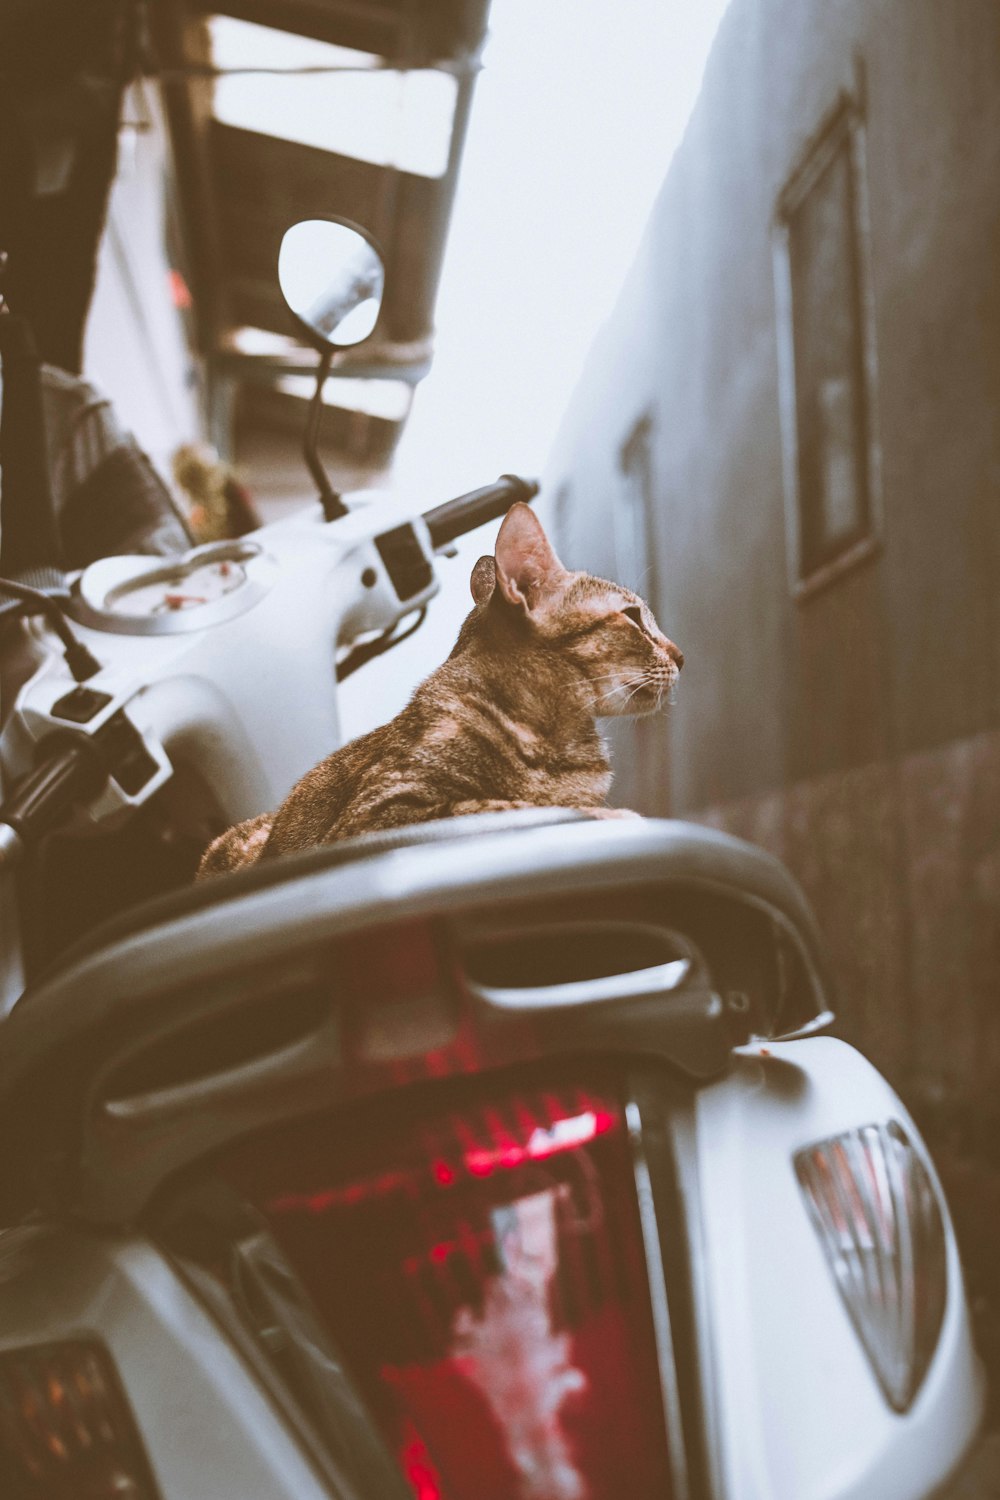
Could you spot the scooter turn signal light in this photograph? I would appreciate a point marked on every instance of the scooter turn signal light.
(66, 1432)
(876, 1211)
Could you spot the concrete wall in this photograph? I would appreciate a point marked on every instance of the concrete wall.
(857, 731)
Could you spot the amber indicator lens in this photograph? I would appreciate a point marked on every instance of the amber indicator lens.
(66, 1432)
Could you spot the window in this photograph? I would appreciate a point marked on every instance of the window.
(826, 354)
(633, 511)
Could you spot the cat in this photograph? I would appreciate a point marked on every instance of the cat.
(506, 722)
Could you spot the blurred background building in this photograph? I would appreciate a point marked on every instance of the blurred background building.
(787, 436)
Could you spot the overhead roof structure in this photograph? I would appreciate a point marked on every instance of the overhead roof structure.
(282, 110)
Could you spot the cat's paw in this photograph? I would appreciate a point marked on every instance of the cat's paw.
(613, 812)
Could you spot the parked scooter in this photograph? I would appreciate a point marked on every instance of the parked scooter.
(490, 1158)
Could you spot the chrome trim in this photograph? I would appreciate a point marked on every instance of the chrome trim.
(11, 845)
(818, 1023)
(662, 1333)
(640, 984)
(685, 1155)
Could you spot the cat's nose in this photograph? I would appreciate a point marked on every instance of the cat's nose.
(675, 653)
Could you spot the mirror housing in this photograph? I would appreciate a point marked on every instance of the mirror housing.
(332, 277)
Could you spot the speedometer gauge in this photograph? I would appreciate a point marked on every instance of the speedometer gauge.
(143, 596)
(177, 591)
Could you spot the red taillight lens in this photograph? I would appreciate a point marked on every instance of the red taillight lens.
(484, 1272)
(66, 1432)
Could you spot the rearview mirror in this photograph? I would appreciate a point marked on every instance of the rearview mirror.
(331, 276)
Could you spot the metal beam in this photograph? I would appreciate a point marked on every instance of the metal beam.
(373, 364)
(180, 38)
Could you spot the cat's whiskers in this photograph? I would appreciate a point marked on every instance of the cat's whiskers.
(622, 675)
(642, 683)
(630, 686)
(645, 574)
(621, 683)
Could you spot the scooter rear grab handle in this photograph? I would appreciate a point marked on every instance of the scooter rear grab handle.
(455, 517)
(213, 955)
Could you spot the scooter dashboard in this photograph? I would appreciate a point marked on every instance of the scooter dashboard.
(139, 596)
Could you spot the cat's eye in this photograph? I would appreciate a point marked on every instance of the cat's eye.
(634, 614)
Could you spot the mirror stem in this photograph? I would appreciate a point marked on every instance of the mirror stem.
(333, 505)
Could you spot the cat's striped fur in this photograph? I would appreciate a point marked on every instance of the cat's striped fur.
(507, 721)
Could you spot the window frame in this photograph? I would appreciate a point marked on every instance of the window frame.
(842, 126)
(635, 470)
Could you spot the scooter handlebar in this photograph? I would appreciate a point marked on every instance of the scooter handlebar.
(69, 772)
(455, 517)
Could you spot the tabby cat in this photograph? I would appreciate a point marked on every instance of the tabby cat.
(507, 721)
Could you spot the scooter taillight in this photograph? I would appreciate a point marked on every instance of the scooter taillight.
(484, 1272)
(66, 1432)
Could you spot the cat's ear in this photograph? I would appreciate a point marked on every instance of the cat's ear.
(526, 566)
(483, 580)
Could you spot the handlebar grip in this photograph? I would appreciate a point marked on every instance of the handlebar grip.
(455, 517)
(69, 772)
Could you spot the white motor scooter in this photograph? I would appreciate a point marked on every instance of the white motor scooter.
(495, 1159)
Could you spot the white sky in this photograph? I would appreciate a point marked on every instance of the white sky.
(577, 113)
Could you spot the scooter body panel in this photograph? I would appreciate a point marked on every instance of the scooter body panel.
(249, 701)
(793, 1409)
(798, 1411)
(207, 1426)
